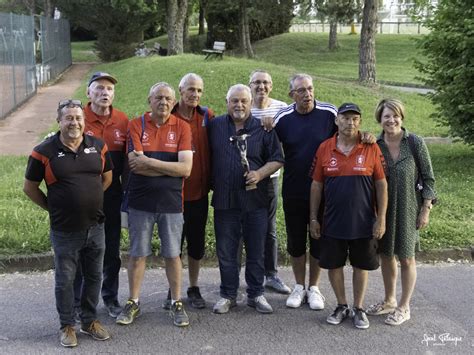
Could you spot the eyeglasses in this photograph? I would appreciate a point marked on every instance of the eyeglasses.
(69, 102)
(302, 91)
(259, 82)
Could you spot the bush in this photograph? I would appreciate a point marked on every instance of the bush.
(449, 69)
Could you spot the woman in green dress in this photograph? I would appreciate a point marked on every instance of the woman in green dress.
(408, 209)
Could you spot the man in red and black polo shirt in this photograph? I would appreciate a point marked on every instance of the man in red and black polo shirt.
(351, 176)
(160, 157)
(76, 169)
(104, 121)
(197, 186)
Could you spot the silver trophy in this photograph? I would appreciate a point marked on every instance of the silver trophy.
(240, 141)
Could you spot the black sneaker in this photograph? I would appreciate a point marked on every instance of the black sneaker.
(177, 312)
(340, 313)
(129, 313)
(359, 318)
(167, 302)
(195, 299)
(113, 307)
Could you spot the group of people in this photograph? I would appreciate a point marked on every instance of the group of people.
(334, 191)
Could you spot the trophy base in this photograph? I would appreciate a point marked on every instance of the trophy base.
(250, 187)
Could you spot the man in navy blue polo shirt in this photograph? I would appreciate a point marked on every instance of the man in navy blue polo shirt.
(77, 169)
(243, 156)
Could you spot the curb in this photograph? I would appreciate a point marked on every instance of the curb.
(45, 261)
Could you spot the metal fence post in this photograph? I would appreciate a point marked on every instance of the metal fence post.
(13, 62)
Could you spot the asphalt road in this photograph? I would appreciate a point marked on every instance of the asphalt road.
(442, 320)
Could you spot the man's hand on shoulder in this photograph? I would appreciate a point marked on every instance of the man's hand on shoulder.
(368, 138)
(267, 123)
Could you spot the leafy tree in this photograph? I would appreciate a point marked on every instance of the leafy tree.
(119, 24)
(449, 68)
(367, 42)
(337, 11)
(265, 18)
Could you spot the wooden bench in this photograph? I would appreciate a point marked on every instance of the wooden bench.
(217, 50)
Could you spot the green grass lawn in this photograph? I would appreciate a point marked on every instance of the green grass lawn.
(25, 226)
(83, 52)
(309, 53)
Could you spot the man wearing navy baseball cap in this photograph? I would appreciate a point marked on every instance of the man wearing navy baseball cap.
(351, 176)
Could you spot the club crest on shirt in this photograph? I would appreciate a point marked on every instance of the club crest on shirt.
(360, 161)
(119, 137)
(90, 150)
(89, 133)
(332, 164)
(171, 137)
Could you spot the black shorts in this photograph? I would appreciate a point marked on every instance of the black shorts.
(362, 253)
(297, 229)
(194, 228)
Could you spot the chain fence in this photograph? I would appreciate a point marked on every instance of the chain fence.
(33, 50)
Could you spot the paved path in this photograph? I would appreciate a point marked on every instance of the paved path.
(442, 304)
(23, 129)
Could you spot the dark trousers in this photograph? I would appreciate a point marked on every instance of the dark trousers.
(71, 249)
(230, 226)
(112, 261)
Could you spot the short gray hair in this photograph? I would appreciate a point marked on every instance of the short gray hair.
(188, 77)
(238, 87)
(298, 77)
(161, 84)
(258, 71)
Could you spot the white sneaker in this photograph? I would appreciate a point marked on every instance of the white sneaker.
(297, 297)
(315, 298)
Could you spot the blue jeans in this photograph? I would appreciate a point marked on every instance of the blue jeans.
(271, 241)
(230, 226)
(71, 250)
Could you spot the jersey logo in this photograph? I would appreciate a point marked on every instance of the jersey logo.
(145, 137)
(360, 161)
(90, 150)
(171, 137)
(333, 162)
(90, 133)
(117, 133)
(61, 154)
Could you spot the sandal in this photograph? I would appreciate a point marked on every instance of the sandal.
(380, 308)
(398, 316)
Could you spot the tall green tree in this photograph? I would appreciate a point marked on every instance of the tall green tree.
(177, 14)
(449, 68)
(337, 11)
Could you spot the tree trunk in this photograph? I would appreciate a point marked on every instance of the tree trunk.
(333, 44)
(202, 13)
(245, 45)
(48, 8)
(367, 43)
(177, 12)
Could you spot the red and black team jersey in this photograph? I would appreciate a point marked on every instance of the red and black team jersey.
(349, 191)
(73, 180)
(112, 129)
(158, 194)
(198, 184)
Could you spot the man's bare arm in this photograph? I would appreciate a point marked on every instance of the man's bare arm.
(32, 190)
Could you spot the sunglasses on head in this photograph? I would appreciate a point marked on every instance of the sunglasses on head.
(69, 102)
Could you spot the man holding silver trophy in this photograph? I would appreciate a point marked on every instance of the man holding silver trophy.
(243, 156)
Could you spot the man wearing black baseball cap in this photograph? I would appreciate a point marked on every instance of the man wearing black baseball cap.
(104, 121)
(351, 176)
